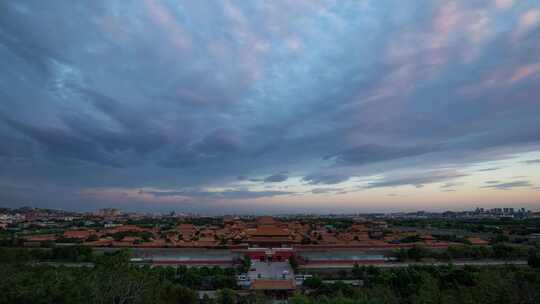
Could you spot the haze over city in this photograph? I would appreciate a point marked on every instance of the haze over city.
(270, 107)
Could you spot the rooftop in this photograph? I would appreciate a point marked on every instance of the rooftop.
(266, 220)
(272, 285)
(269, 231)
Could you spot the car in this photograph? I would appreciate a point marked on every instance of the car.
(242, 277)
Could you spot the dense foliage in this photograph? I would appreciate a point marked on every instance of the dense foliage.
(488, 225)
(293, 261)
(144, 236)
(55, 254)
(110, 278)
(448, 284)
(498, 251)
(245, 264)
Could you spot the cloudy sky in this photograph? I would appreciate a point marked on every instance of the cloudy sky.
(270, 106)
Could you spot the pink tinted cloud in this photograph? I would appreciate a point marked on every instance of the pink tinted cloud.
(504, 4)
(445, 22)
(161, 15)
(524, 72)
(501, 78)
(254, 46)
(527, 21)
(478, 33)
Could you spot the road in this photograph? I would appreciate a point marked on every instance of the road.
(407, 264)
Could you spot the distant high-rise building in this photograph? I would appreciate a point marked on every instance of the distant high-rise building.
(108, 212)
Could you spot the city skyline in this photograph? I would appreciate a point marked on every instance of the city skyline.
(270, 107)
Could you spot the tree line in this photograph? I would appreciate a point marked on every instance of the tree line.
(499, 251)
(428, 284)
(111, 279)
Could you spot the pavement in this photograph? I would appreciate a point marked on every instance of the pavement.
(270, 271)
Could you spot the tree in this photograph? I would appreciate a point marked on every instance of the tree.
(357, 272)
(428, 291)
(92, 238)
(299, 299)
(417, 253)
(534, 258)
(293, 261)
(177, 294)
(313, 282)
(410, 239)
(115, 280)
(72, 253)
(499, 238)
(245, 263)
(119, 259)
(226, 296)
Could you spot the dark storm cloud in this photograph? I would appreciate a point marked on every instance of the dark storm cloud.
(329, 179)
(276, 178)
(327, 190)
(225, 194)
(510, 185)
(62, 144)
(488, 169)
(166, 94)
(395, 195)
(375, 153)
(13, 147)
(451, 185)
(217, 146)
(416, 179)
(532, 161)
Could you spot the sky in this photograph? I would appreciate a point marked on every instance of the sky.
(220, 107)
